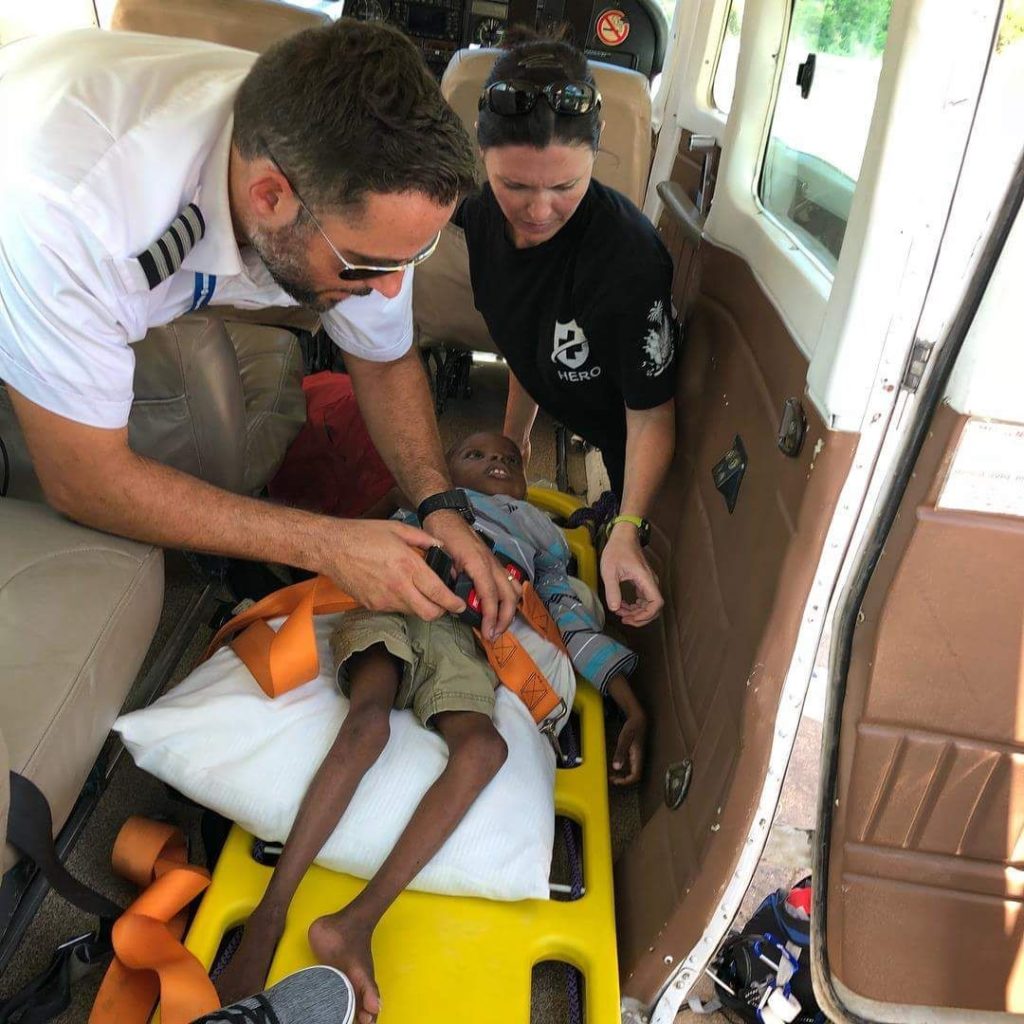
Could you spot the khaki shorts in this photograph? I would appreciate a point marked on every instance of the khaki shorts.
(443, 670)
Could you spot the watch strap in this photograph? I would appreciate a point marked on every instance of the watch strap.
(456, 500)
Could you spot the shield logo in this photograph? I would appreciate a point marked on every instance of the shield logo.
(571, 345)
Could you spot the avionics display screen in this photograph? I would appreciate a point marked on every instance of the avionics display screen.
(426, 21)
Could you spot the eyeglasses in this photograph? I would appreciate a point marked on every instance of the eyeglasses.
(513, 97)
(353, 271)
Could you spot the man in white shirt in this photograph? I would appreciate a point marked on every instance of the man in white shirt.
(146, 176)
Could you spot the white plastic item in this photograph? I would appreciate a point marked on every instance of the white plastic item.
(219, 740)
(786, 1008)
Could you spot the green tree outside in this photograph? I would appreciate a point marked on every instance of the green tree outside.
(845, 28)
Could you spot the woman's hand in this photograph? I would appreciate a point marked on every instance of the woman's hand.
(628, 760)
(623, 560)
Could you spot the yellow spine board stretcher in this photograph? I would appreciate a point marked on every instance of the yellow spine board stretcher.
(444, 959)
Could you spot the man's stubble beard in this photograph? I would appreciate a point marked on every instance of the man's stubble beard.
(284, 254)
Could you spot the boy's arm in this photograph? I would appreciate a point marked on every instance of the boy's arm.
(628, 759)
(595, 655)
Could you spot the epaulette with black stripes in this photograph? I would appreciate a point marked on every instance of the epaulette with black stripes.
(165, 255)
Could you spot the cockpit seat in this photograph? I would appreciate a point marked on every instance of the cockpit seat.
(442, 295)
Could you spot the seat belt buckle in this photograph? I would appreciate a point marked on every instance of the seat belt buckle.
(462, 585)
(548, 726)
(465, 588)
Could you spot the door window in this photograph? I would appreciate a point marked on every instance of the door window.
(724, 82)
(820, 128)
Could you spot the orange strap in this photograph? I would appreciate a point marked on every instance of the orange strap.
(288, 658)
(514, 667)
(150, 962)
(283, 660)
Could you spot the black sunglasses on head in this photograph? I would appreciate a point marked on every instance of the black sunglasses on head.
(513, 97)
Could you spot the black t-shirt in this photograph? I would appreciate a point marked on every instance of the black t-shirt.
(585, 319)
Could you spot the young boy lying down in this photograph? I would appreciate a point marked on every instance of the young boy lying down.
(387, 661)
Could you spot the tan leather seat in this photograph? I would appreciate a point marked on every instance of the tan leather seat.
(245, 24)
(78, 610)
(442, 296)
(218, 400)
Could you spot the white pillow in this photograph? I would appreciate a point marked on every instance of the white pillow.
(219, 740)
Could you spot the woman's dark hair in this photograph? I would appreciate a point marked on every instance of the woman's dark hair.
(351, 109)
(540, 60)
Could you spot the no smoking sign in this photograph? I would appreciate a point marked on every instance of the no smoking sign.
(612, 27)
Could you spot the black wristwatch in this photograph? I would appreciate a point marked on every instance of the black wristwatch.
(455, 500)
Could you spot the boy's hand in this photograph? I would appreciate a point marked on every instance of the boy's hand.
(628, 760)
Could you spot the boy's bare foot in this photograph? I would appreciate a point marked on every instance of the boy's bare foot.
(342, 940)
(247, 970)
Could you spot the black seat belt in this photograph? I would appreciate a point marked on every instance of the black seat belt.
(30, 831)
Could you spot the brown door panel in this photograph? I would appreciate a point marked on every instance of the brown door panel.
(928, 851)
(694, 167)
(735, 586)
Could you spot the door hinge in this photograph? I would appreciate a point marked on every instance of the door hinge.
(919, 356)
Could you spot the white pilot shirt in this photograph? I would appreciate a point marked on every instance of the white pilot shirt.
(108, 136)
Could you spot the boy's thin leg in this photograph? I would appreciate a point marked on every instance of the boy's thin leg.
(375, 676)
(475, 754)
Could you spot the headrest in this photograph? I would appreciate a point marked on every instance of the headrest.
(624, 159)
(245, 24)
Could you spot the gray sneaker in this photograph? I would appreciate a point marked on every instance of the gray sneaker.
(316, 995)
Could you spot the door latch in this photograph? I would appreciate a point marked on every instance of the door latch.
(805, 74)
(678, 777)
(792, 428)
(728, 472)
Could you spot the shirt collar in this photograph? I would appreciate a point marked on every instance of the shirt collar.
(217, 253)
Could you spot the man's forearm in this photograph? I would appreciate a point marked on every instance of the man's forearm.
(650, 444)
(153, 503)
(394, 399)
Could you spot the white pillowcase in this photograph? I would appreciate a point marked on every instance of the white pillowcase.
(220, 740)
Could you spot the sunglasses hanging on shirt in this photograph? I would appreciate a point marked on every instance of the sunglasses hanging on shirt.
(514, 97)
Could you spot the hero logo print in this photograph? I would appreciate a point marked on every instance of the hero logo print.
(571, 345)
(571, 350)
(659, 347)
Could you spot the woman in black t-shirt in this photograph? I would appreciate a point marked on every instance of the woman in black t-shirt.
(575, 286)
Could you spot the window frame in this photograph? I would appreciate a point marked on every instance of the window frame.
(784, 224)
(839, 319)
(718, 60)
